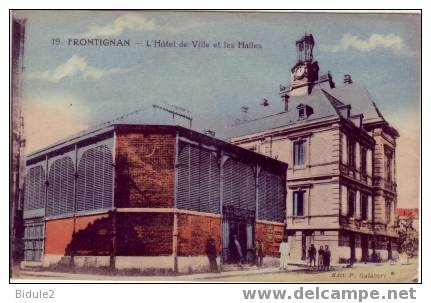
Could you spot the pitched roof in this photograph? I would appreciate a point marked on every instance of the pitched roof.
(359, 99)
(317, 100)
(325, 102)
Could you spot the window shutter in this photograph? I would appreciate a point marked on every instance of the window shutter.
(183, 184)
(239, 188)
(194, 178)
(214, 188)
(60, 187)
(95, 176)
(198, 179)
(34, 191)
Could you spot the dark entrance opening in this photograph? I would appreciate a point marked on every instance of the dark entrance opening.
(238, 224)
(352, 248)
(389, 247)
(364, 245)
(306, 241)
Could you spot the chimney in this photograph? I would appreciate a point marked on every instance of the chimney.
(244, 110)
(286, 102)
(347, 79)
(264, 102)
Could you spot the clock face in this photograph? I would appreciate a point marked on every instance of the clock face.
(299, 72)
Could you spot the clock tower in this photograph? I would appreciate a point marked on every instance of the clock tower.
(305, 72)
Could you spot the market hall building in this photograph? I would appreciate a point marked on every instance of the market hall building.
(149, 196)
(342, 189)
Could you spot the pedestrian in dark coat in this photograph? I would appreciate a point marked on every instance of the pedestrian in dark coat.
(312, 255)
(326, 258)
(321, 252)
(260, 253)
(211, 252)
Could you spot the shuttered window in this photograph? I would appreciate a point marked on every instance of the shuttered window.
(95, 173)
(198, 186)
(60, 187)
(34, 196)
(33, 239)
(239, 185)
(272, 204)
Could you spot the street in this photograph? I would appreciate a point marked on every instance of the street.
(360, 273)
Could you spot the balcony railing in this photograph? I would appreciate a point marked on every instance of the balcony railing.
(356, 224)
(355, 174)
(386, 184)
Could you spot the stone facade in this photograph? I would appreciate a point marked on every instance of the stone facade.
(344, 178)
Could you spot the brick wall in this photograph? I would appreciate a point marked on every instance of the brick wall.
(144, 169)
(193, 233)
(271, 235)
(92, 236)
(144, 234)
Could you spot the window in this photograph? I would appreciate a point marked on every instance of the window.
(388, 212)
(301, 113)
(388, 165)
(351, 203)
(364, 161)
(304, 111)
(298, 203)
(364, 207)
(298, 152)
(351, 153)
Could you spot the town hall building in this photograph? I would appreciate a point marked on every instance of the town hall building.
(340, 152)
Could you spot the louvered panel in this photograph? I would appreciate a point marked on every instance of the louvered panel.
(33, 239)
(183, 184)
(95, 176)
(204, 180)
(38, 188)
(62, 191)
(194, 178)
(271, 197)
(214, 187)
(70, 186)
(262, 214)
(32, 191)
(89, 179)
(248, 187)
(281, 210)
(227, 183)
(98, 178)
(108, 171)
(60, 187)
(80, 186)
(34, 194)
(236, 185)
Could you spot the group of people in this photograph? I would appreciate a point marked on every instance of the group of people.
(257, 256)
(323, 257)
(254, 255)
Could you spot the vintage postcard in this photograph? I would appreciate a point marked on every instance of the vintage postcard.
(216, 146)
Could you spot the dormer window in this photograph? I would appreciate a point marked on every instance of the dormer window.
(304, 111)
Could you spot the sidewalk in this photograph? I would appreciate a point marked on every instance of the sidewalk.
(53, 275)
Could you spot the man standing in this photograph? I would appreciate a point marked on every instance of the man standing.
(320, 258)
(259, 253)
(312, 255)
(284, 254)
(211, 252)
(326, 258)
(238, 248)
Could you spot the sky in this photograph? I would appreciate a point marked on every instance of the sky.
(68, 88)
